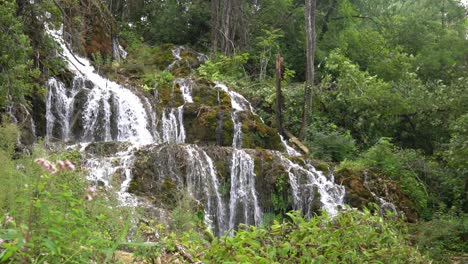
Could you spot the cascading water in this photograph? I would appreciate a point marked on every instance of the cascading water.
(306, 182)
(96, 109)
(384, 205)
(173, 126)
(108, 111)
(103, 170)
(202, 182)
(243, 204)
(331, 194)
(243, 196)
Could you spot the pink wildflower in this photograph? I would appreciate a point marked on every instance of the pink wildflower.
(1, 241)
(92, 189)
(69, 165)
(8, 219)
(60, 164)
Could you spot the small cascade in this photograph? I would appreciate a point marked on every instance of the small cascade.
(177, 57)
(108, 110)
(243, 204)
(59, 106)
(104, 170)
(289, 150)
(384, 205)
(202, 184)
(306, 181)
(173, 125)
(186, 87)
(153, 124)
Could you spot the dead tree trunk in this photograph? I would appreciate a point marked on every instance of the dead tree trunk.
(310, 6)
(279, 95)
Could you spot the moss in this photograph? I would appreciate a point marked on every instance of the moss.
(321, 166)
(257, 134)
(201, 124)
(161, 56)
(168, 194)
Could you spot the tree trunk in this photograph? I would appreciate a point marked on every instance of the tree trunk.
(215, 25)
(309, 9)
(279, 95)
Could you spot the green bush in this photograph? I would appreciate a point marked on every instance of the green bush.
(49, 213)
(350, 237)
(386, 159)
(332, 146)
(443, 236)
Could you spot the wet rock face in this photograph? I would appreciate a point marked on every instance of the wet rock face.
(358, 192)
(160, 173)
(20, 115)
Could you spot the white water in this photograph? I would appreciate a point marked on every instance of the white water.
(243, 205)
(173, 126)
(111, 112)
(103, 170)
(289, 150)
(331, 194)
(130, 116)
(202, 181)
(304, 180)
(59, 105)
(186, 86)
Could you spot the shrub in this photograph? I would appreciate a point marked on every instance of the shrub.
(350, 237)
(443, 236)
(332, 146)
(49, 213)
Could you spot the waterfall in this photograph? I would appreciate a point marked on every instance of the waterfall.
(331, 194)
(306, 181)
(202, 181)
(109, 111)
(186, 86)
(243, 205)
(104, 170)
(173, 126)
(243, 196)
(96, 109)
(289, 150)
(384, 205)
(59, 106)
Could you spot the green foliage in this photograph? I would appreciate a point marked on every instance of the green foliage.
(443, 236)
(54, 216)
(458, 147)
(327, 143)
(350, 237)
(8, 137)
(157, 79)
(225, 68)
(177, 22)
(16, 71)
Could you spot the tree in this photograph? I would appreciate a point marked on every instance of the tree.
(229, 27)
(16, 71)
(310, 6)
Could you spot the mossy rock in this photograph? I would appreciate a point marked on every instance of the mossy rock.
(207, 125)
(106, 149)
(257, 134)
(358, 195)
(170, 96)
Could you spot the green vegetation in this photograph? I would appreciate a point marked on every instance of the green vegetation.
(350, 237)
(50, 213)
(389, 99)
